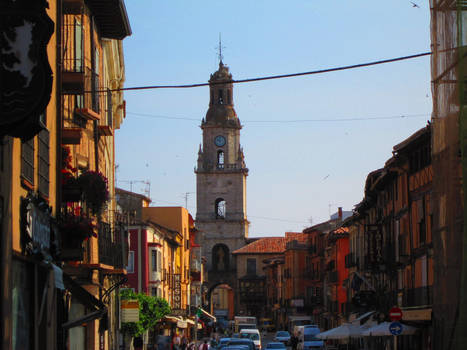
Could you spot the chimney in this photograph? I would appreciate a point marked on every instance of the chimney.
(339, 213)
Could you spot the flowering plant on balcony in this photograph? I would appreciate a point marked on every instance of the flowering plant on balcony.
(76, 228)
(95, 190)
(71, 190)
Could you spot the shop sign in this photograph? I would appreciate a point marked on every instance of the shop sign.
(36, 219)
(417, 315)
(26, 84)
(130, 310)
(179, 312)
(177, 292)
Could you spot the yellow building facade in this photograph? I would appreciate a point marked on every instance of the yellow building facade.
(176, 253)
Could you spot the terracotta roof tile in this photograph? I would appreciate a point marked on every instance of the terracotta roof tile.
(271, 245)
(266, 245)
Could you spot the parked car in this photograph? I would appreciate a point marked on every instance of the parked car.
(236, 347)
(252, 334)
(307, 338)
(223, 343)
(283, 337)
(244, 341)
(275, 345)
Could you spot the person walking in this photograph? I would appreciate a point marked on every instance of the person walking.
(294, 341)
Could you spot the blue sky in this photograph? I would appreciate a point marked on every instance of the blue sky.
(298, 170)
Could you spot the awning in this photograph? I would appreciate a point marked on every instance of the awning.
(363, 318)
(85, 298)
(344, 331)
(208, 315)
(85, 319)
(173, 319)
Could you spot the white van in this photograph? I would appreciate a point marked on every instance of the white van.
(307, 337)
(252, 334)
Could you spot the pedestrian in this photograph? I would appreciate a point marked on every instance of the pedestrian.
(176, 342)
(204, 345)
(138, 343)
(184, 342)
(294, 341)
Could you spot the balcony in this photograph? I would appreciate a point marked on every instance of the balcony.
(111, 16)
(111, 246)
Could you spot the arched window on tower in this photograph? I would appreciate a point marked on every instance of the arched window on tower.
(221, 97)
(220, 159)
(212, 96)
(229, 97)
(220, 208)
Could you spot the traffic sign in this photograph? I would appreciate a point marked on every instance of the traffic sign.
(395, 314)
(395, 328)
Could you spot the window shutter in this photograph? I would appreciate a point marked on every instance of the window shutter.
(43, 155)
(27, 160)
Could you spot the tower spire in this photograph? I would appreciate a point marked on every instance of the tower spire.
(220, 50)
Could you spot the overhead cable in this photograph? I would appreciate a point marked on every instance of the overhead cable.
(281, 76)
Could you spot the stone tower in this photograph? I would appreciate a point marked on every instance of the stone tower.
(221, 182)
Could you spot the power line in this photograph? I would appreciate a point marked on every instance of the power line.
(275, 219)
(399, 116)
(281, 76)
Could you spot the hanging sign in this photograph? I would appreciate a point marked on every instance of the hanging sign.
(177, 292)
(130, 310)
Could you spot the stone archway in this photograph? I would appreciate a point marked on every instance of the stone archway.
(221, 297)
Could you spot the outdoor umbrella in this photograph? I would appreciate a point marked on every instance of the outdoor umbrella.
(344, 331)
(382, 330)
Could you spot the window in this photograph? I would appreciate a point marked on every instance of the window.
(78, 46)
(154, 260)
(27, 160)
(109, 109)
(131, 262)
(220, 159)
(221, 97)
(43, 157)
(220, 208)
(251, 266)
(95, 82)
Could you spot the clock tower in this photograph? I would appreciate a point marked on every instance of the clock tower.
(221, 182)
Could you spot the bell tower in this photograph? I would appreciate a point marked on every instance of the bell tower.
(221, 182)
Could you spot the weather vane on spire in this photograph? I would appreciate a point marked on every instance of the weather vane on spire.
(220, 49)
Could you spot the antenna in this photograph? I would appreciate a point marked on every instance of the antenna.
(220, 49)
(186, 198)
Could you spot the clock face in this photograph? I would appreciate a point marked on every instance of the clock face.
(219, 141)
